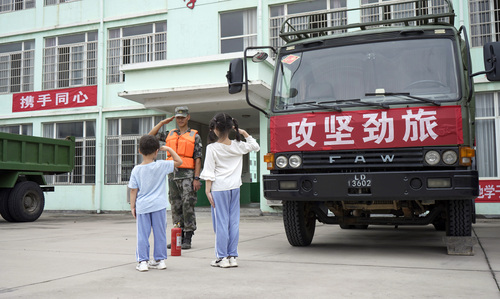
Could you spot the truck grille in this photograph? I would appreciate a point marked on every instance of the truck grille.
(378, 158)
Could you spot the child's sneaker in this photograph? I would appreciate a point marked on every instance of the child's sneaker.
(232, 261)
(223, 263)
(142, 266)
(160, 265)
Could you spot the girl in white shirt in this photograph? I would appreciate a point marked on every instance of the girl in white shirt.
(222, 175)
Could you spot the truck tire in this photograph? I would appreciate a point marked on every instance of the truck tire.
(299, 221)
(4, 205)
(459, 222)
(26, 201)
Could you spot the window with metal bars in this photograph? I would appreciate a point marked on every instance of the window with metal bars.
(85, 150)
(315, 14)
(17, 66)
(484, 22)
(55, 2)
(13, 5)
(135, 44)
(398, 9)
(70, 61)
(122, 146)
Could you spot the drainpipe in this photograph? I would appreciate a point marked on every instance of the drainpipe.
(461, 14)
(99, 171)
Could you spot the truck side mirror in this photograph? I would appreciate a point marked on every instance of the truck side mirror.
(491, 61)
(235, 75)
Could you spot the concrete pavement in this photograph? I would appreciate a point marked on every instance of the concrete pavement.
(71, 255)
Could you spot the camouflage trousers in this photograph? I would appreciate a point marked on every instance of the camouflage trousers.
(182, 199)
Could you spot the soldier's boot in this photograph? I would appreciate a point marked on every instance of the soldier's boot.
(186, 243)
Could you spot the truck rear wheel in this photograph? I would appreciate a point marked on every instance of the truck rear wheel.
(459, 222)
(300, 222)
(4, 205)
(26, 201)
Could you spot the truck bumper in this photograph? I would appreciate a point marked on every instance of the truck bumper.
(353, 186)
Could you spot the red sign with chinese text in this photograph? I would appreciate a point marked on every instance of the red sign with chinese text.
(399, 127)
(55, 99)
(489, 191)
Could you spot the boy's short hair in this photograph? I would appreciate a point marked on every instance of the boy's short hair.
(148, 144)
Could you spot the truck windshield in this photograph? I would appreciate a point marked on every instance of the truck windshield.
(378, 74)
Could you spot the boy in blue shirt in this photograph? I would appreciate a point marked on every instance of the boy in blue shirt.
(148, 201)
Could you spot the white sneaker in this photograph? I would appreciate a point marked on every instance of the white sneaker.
(142, 266)
(223, 263)
(160, 265)
(232, 262)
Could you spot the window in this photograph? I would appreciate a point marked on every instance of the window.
(328, 15)
(484, 21)
(17, 66)
(395, 10)
(13, 5)
(122, 145)
(70, 61)
(238, 30)
(54, 2)
(23, 129)
(85, 148)
(142, 43)
(487, 133)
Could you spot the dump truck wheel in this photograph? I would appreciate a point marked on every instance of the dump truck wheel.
(26, 201)
(4, 205)
(459, 222)
(299, 221)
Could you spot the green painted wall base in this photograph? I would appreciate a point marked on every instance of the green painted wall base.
(249, 193)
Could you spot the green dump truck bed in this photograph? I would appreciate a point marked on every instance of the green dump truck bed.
(30, 153)
(24, 160)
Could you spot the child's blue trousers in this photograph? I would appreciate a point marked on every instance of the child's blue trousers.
(158, 222)
(226, 221)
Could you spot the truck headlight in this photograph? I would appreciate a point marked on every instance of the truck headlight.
(432, 157)
(450, 157)
(281, 161)
(295, 161)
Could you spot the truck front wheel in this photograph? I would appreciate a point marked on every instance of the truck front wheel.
(300, 222)
(26, 201)
(459, 222)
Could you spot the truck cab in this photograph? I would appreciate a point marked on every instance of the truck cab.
(372, 123)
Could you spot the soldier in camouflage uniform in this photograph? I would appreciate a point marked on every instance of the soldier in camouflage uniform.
(183, 183)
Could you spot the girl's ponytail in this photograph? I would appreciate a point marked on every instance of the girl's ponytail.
(238, 135)
(212, 137)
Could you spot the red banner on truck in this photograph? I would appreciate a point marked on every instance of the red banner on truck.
(399, 127)
(55, 99)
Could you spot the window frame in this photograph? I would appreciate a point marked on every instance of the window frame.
(329, 17)
(249, 39)
(52, 63)
(16, 5)
(57, 2)
(26, 68)
(495, 116)
(83, 173)
(122, 149)
(477, 25)
(156, 44)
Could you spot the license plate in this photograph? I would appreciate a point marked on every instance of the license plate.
(359, 181)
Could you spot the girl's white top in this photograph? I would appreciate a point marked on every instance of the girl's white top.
(223, 163)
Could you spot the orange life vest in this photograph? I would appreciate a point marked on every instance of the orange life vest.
(183, 145)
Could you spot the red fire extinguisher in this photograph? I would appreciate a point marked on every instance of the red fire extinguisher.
(176, 240)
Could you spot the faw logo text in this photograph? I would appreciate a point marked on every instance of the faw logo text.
(361, 159)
